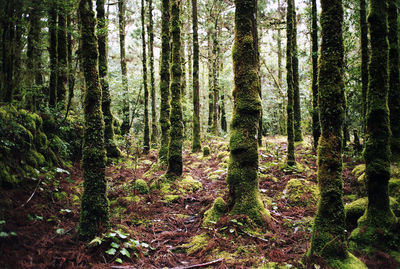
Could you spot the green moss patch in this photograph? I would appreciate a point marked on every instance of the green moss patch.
(197, 243)
(141, 186)
(300, 192)
(217, 210)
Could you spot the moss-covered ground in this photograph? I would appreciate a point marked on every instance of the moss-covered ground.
(164, 219)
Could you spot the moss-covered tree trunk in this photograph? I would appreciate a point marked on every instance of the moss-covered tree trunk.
(375, 225)
(175, 164)
(215, 84)
(364, 59)
(164, 80)
(196, 145)
(394, 79)
(53, 53)
(94, 206)
(242, 178)
(314, 39)
(329, 235)
(102, 33)
(224, 125)
(62, 54)
(146, 133)
(34, 51)
(210, 82)
(71, 68)
(289, 78)
(154, 133)
(296, 89)
(124, 71)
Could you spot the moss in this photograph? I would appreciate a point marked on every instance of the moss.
(351, 262)
(141, 186)
(171, 198)
(131, 198)
(206, 151)
(358, 170)
(189, 184)
(300, 192)
(394, 188)
(197, 243)
(218, 209)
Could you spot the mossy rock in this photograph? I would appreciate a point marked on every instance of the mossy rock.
(206, 151)
(189, 184)
(300, 192)
(197, 243)
(351, 262)
(394, 188)
(171, 198)
(356, 209)
(218, 209)
(141, 186)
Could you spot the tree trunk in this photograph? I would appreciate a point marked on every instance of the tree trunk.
(242, 178)
(210, 82)
(374, 227)
(53, 53)
(215, 86)
(94, 206)
(314, 57)
(364, 59)
(146, 134)
(394, 79)
(175, 164)
(164, 81)
(124, 72)
(296, 89)
(62, 54)
(196, 145)
(154, 133)
(111, 148)
(329, 237)
(290, 85)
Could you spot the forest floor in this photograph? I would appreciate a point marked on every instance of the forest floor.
(163, 228)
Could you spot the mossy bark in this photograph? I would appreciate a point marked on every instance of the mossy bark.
(314, 56)
(94, 207)
(296, 89)
(196, 145)
(125, 126)
(290, 85)
(102, 32)
(34, 52)
(154, 132)
(364, 58)
(146, 133)
(215, 82)
(175, 164)
(164, 80)
(210, 83)
(329, 235)
(62, 54)
(242, 178)
(394, 78)
(378, 217)
(53, 53)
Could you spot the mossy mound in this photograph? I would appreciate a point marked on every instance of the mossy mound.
(189, 184)
(300, 192)
(217, 210)
(206, 151)
(141, 186)
(351, 262)
(356, 209)
(197, 243)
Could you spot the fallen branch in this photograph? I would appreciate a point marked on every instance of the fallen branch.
(198, 265)
(33, 193)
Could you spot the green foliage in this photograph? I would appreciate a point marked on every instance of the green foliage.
(301, 192)
(141, 186)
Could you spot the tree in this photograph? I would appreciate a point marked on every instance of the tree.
(102, 32)
(364, 59)
(196, 145)
(296, 89)
(125, 126)
(94, 205)
(242, 177)
(394, 79)
(175, 164)
(314, 56)
(164, 80)
(62, 54)
(52, 10)
(375, 226)
(152, 86)
(146, 135)
(290, 84)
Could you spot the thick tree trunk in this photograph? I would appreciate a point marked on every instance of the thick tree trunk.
(62, 54)
(196, 145)
(175, 163)
(364, 59)
(53, 53)
(94, 206)
(111, 148)
(164, 80)
(329, 237)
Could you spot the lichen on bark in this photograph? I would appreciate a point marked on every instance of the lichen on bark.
(175, 163)
(94, 206)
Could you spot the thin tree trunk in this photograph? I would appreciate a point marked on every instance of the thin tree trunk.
(154, 133)
(314, 57)
(146, 134)
(53, 53)
(62, 54)
(364, 59)
(296, 89)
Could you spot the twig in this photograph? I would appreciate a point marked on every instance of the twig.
(199, 265)
(33, 193)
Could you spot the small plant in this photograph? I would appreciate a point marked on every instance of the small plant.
(120, 244)
(3, 233)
